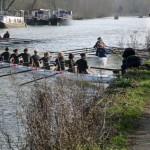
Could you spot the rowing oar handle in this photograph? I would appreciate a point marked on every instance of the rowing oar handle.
(109, 69)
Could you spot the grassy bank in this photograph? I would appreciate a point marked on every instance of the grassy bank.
(131, 95)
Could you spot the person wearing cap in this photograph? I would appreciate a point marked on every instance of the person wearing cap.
(14, 59)
(36, 59)
(129, 60)
(60, 62)
(46, 61)
(27, 60)
(81, 64)
(5, 55)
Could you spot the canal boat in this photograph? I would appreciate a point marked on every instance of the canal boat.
(12, 19)
(61, 17)
(38, 17)
(116, 17)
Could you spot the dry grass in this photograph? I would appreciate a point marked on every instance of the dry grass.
(65, 115)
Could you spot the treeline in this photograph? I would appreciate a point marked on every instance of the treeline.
(89, 8)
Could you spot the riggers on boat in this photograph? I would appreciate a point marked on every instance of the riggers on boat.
(43, 73)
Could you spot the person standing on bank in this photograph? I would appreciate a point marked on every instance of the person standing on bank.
(129, 60)
(5, 55)
(82, 65)
(26, 58)
(60, 62)
(14, 59)
(36, 59)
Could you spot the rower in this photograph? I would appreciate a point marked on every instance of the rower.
(26, 57)
(36, 59)
(46, 61)
(14, 57)
(82, 65)
(6, 35)
(101, 51)
(60, 62)
(70, 63)
(5, 55)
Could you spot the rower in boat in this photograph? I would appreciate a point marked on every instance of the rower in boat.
(14, 59)
(6, 35)
(101, 52)
(70, 63)
(60, 62)
(82, 65)
(46, 61)
(26, 58)
(36, 59)
(5, 55)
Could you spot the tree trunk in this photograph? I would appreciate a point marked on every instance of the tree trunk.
(9, 5)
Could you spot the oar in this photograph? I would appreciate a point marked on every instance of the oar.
(5, 67)
(74, 50)
(39, 79)
(10, 65)
(8, 74)
(109, 69)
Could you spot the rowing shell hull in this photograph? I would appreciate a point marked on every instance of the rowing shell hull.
(36, 72)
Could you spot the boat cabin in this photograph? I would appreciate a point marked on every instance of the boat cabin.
(61, 13)
(12, 19)
(41, 13)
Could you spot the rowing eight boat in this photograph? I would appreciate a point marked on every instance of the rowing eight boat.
(43, 73)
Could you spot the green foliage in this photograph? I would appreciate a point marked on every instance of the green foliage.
(123, 82)
(129, 104)
(147, 62)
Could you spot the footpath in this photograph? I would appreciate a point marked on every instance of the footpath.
(141, 139)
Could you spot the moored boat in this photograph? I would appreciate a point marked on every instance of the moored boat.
(12, 19)
(38, 17)
(60, 16)
(116, 17)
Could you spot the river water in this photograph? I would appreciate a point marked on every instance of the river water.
(82, 34)
(79, 34)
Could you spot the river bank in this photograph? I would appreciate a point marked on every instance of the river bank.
(131, 98)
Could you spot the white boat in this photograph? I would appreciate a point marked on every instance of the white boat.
(38, 72)
(60, 16)
(11, 20)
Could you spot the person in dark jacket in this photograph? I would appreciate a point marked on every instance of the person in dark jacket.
(6, 35)
(70, 63)
(36, 59)
(60, 62)
(82, 65)
(5, 55)
(129, 60)
(14, 57)
(26, 57)
(46, 61)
